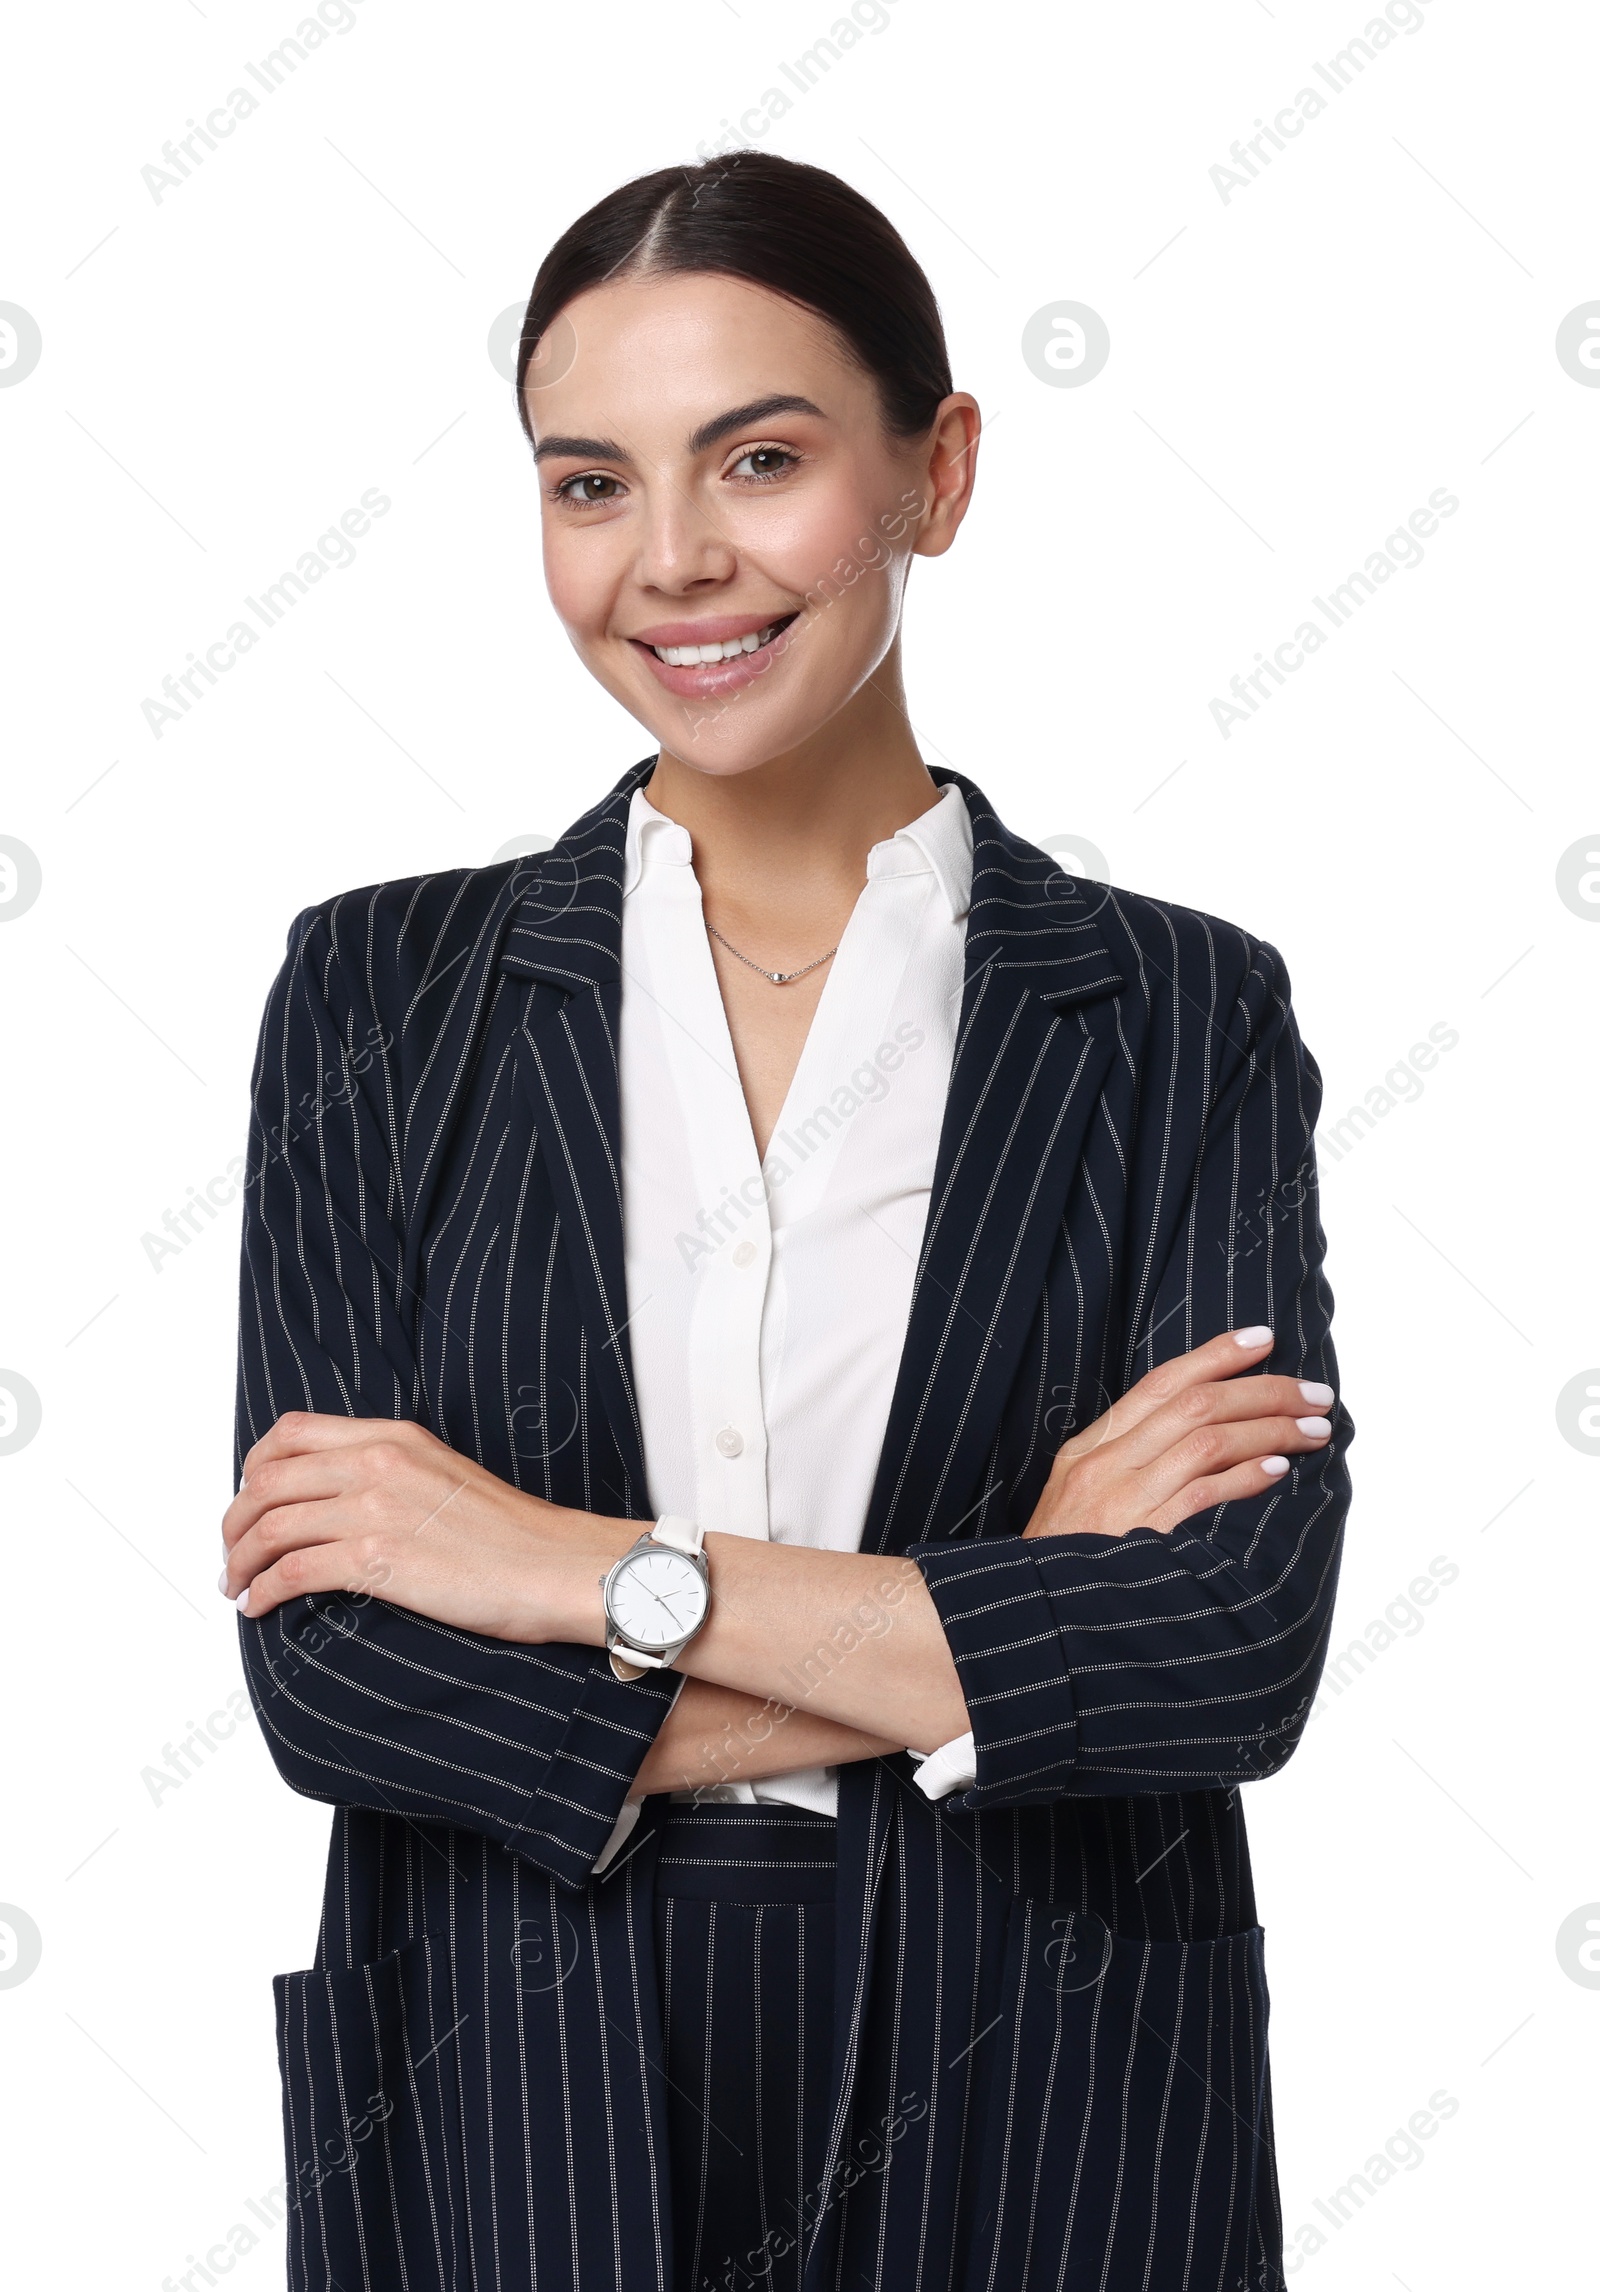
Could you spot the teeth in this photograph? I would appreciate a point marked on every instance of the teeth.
(696, 656)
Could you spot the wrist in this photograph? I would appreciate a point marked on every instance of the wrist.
(579, 1549)
(656, 1598)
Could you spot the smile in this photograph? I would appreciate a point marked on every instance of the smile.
(686, 656)
(692, 656)
(720, 663)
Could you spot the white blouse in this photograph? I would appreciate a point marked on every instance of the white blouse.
(768, 1302)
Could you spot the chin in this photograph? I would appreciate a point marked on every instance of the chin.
(722, 755)
(737, 736)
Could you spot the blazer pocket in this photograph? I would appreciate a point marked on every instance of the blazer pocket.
(370, 2062)
(1127, 2126)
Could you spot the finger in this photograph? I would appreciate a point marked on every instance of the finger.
(1218, 1404)
(1232, 1487)
(1252, 1478)
(291, 1528)
(284, 1480)
(1224, 1356)
(315, 1568)
(300, 1431)
(1211, 1449)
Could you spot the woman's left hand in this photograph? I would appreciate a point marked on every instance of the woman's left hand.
(369, 1505)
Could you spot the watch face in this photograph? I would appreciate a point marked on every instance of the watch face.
(657, 1598)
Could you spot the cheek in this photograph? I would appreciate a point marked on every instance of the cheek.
(579, 578)
(827, 544)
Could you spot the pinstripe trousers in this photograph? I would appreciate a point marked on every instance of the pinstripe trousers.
(744, 1924)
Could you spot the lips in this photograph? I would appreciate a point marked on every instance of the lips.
(713, 656)
(702, 655)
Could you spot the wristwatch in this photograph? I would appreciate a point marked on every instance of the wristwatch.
(656, 1597)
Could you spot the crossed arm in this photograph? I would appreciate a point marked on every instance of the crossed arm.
(370, 1506)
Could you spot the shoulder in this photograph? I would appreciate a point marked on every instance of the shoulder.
(1160, 947)
(385, 943)
(1165, 948)
(1161, 950)
(1205, 1002)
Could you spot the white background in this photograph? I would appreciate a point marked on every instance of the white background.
(1292, 372)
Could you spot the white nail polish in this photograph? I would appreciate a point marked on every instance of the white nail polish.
(242, 1603)
(1316, 1426)
(1320, 1396)
(1276, 1465)
(1260, 1335)
(222, 1581)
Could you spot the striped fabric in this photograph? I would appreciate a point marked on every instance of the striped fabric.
(744, 1958)
(1050, 1989)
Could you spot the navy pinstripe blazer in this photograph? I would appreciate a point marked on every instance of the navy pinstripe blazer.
(1050, 2047)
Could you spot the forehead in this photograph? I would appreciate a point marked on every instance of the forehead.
(666, 353)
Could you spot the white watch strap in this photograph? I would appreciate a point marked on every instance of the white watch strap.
(681, 1535)
(952, 1767)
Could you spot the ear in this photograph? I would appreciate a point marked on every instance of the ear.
(949, 469)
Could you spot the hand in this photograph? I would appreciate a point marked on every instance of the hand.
(1182, 1441)
(367, 1505)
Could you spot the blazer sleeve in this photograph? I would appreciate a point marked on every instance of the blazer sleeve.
(363, 1703)
(1189, 1660)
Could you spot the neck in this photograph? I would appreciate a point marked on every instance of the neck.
(786, 842)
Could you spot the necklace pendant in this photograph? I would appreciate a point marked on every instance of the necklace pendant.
(773, 978)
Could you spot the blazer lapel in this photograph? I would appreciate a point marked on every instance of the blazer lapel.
(566, 940)
(1037, 1035)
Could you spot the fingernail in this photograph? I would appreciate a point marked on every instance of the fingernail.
(1316, 1426)
(222, 1581)
(1319, 1395)
(1260, 1335)
(242, 1603)
(1275, 1465)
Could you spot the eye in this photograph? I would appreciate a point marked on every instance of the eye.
(588, 487)
(765, 464)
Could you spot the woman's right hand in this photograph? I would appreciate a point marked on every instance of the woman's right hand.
(1192, 1434)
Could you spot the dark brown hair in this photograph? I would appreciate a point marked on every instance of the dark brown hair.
(796, 230)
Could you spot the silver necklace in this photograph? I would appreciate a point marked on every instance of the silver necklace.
(778, 978)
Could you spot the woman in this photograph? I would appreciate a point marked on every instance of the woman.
(770, 1501)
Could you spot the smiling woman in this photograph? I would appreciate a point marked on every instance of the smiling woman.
(787, 1773)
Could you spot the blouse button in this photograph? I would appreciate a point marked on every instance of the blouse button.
(730, 1441)
(745, 1253)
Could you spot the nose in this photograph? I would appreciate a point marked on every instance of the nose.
(681, 546)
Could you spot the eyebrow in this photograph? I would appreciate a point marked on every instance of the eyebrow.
(708, 434)
(746, 417)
